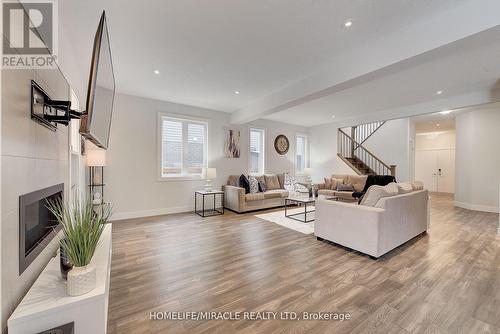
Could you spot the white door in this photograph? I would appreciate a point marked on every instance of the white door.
(426, 168)
(446, 171)
(436, 169)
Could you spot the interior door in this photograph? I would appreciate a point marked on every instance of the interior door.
(446, 171)
(426, 167)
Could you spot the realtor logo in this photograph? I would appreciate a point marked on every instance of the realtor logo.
(30, 34)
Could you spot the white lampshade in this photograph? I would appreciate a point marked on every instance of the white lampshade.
(96, 158)
(308, 171)
(209, 173)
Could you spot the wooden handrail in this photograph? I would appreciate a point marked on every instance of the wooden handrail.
(368, 151)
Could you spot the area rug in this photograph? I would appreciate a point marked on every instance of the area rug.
(278, 217)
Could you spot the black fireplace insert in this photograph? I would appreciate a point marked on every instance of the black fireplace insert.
(37, 225)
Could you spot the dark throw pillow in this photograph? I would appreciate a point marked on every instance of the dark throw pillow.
(262, 187)
(244, 183)
(345, 187)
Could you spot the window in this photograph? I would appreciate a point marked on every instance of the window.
(300, 154)
(256, 151)
(184, 145)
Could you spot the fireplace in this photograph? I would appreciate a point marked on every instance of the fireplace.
(37, 225)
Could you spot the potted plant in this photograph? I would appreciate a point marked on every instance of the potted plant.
(82, 226)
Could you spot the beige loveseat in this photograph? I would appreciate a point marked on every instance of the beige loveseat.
(373, 230)
(236, 200)
(357, 181)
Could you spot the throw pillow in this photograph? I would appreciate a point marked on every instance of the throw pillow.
(260, 178)
(392, 189)
(281, 180)
(272, 182)
(358, 181)
(262, 187)
(288, 182)
(301, 188)
(328, 183)
(335, 182)
(244, 183)
(254, 184)
(345, 187)
(404, 187)
(417, 185)
(233, 180)
(373, 194)
(376, 192)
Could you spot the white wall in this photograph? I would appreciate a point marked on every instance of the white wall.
(132, 173)
(390, 143)
(478, 160)
(439, 140)
(33, 157)
(323, 156)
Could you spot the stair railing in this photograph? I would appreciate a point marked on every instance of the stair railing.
(348, 148)
(362, 132)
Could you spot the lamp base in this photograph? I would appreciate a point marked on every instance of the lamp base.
(208, 186)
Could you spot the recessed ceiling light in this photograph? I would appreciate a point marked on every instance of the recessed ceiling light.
(348, 23)
(439, 92)
(237, 92)
(438, 124)
(333, 116)
(156, 72)
(445, 112)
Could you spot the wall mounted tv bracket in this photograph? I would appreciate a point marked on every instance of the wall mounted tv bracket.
(50, 112)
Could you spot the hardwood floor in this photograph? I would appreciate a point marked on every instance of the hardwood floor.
(447, 281)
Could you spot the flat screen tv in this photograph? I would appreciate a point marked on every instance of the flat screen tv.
(96, 122)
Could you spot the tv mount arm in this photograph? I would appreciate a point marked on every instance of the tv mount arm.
(50, 112)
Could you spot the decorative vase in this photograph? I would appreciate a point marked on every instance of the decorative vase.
(64, 264)
(81, 280)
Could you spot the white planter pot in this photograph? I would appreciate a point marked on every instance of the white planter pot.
(81, 280)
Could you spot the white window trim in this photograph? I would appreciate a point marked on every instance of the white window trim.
(194, 177)
(306, 153)
(263, 130)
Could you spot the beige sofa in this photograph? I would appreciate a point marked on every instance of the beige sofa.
(236, 200)
(357, 181)
(373, 230)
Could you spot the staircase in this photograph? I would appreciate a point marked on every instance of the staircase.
(358, 157)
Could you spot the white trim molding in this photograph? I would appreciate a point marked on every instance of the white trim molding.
(149, 213)
(477, 207)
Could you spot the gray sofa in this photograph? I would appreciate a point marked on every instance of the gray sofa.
(357, 181)
(236, 200)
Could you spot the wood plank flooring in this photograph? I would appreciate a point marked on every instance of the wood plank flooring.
(447, 281)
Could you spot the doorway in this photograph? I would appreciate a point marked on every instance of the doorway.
(435, 154)
(436, 169)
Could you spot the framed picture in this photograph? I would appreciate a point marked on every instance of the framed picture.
(232, 143)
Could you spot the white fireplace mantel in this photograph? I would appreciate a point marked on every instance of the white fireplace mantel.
(47, 304)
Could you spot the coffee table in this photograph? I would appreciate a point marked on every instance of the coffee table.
(304, 217)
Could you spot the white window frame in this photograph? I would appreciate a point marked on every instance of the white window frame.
(184, 119)
(306, 153)
(263, 164)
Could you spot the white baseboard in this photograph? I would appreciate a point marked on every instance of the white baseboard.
(149, 213)
(476, 207)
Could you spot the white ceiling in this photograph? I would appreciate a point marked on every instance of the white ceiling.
(435, 122)
(470, 65)
(206, 50)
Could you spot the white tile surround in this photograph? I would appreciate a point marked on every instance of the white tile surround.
(32, 157)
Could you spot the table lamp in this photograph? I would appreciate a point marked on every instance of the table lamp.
(208, 174)
(96, 158)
